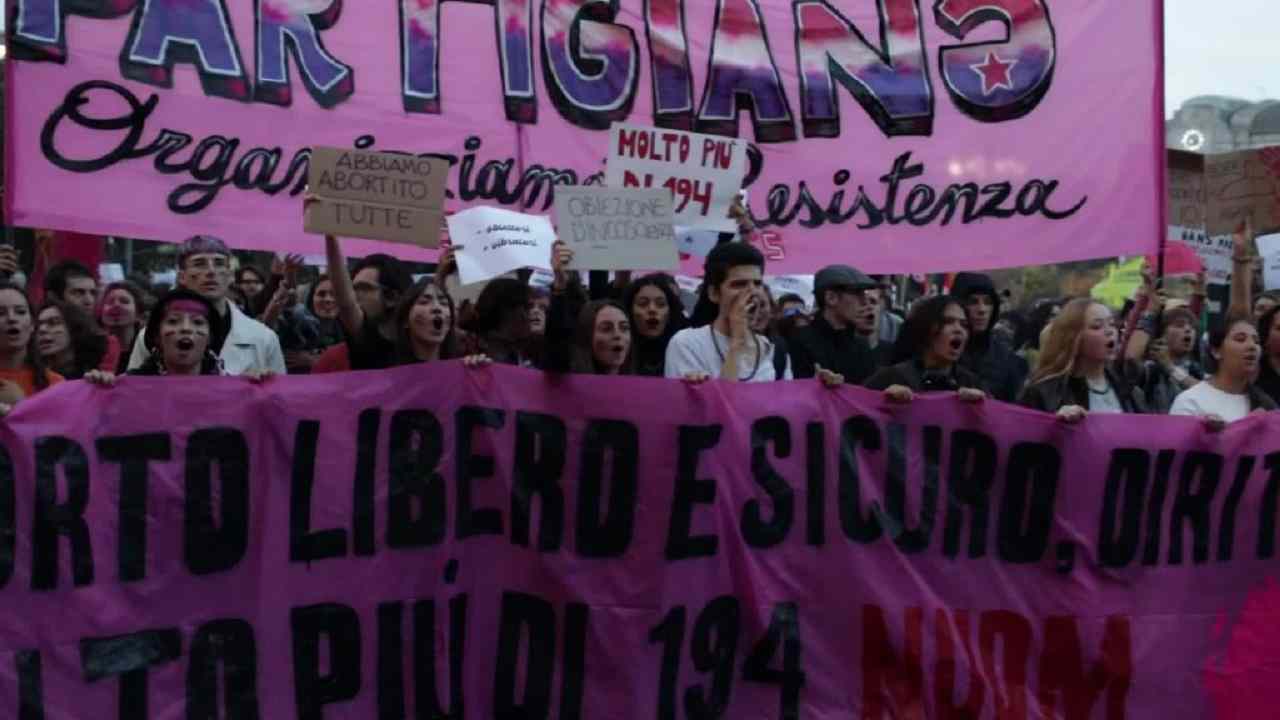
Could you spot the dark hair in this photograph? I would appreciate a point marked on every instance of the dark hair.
(154, 364)
(1265, 325)
(675, 306)
(39, 375)
(582, 358)
(1272, 295)
(393, 276)
(137, 293)
(791, 298)
(1039, 317)
(404, 341)
(500, 297)
(237, 296)
(55, 280)
(725, 257)
(88, 343)
(1171, 315)
(310, 304)
(250, 269)
(1218, 334)
(922, 323)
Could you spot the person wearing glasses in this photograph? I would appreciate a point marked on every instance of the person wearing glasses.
(367, 299)
(831, 340)
(247, 346)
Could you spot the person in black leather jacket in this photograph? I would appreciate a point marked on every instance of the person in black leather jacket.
(927, 355)
(1076, 375)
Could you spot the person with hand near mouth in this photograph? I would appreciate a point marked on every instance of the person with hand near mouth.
(70, 342)
(927, 355)
(656, 315)
(22, 370)
(1229, 394)
(120, 314)
(1075, 376)
(727, 349)
(1164, 367)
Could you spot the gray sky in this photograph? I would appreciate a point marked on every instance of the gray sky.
(1221, 47)
(1213, 47)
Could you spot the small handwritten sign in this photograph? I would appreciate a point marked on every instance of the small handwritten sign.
(379, 196)
(492, 241)
(703, 173)
(612, 229)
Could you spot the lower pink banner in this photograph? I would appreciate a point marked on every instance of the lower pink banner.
(442, 542)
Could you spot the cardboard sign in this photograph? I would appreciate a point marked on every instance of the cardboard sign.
(612, 229)
(1242, 186)
(702, 172)
(490, 242)
(379, 196)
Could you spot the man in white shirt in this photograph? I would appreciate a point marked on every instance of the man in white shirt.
(727, 349)
(204, 266)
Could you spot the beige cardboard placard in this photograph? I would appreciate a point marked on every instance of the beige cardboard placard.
(617, 229)
(374, 195)
(354, 218)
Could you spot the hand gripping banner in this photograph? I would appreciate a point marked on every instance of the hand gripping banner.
(437, 542)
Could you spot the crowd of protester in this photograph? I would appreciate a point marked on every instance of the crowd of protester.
(1071, 357)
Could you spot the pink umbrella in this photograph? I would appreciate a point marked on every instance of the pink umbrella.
(1179, 259)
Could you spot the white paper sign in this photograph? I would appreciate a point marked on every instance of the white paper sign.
(492, 241)
(703, 172)
(110, 272)
(801, 285)
(1269, 249)
(692, 241)
(613, 229)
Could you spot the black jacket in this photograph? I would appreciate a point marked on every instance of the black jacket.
(1269, 382)
(1056, 393)
(911, 374)
(840, 351)
(1002, 371)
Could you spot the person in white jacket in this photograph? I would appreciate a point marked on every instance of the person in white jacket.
(204, 266)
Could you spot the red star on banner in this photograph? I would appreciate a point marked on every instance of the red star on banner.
(995, 73)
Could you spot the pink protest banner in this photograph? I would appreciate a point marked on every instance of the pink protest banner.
(901, 136)
(500, 543)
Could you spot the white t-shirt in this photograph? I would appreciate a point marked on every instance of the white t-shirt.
(1107, 402)
(1205, 399)
(701, 350)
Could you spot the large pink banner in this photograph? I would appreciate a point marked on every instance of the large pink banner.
(436, 542)
(899, 135)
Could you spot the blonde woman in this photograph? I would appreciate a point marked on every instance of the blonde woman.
(1075, 375)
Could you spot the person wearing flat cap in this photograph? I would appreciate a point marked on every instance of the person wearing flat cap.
(831, 341)
(247, 346)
